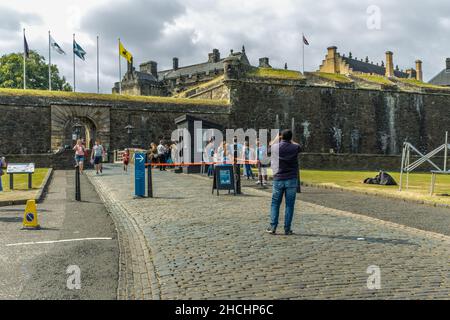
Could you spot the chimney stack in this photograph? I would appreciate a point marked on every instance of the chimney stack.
(264, 63)
(175, 64)
(331, 59)
(447, 64)
(419, 74)
(389, 64)
(150, 67)
(214, 56)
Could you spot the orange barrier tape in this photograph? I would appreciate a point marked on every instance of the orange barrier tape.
(187, 164)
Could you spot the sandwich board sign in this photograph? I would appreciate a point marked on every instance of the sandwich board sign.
(223, 179)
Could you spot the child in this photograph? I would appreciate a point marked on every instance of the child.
(126, 160)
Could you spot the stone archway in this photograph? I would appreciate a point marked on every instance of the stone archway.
(95, 121)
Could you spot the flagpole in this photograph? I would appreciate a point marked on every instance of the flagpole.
(98, 69)
(120, 72)
(73, 62)
(24, 63)
(303, 53)
(49, 64)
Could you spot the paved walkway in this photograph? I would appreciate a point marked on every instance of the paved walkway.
(198, 245)
(38, 271)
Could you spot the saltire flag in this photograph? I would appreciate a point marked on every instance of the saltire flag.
(305, 41)
(26, 50)
(125, 53)
(56, 46)
(78, 51)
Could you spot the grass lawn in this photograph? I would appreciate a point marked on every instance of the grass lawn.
(333, 77)
(21, 185)
(275, 74)
(374, 78)
(111, 97)
(419, 184)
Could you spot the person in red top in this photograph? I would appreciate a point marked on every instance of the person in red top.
(126, 160)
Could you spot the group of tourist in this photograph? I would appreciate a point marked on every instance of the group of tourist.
(250, 157)
(96, 156)
(283, 153)
(162, 153)
(282, 149)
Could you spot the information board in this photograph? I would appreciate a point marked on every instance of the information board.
(223, 178)
(139, 174)
(20, 168)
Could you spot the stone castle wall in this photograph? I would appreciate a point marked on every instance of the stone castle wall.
(26, 121)
(345, 120)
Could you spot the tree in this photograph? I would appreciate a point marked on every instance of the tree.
(11, 73)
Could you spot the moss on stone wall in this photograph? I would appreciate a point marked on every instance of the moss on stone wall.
(333, 77)
(421, 84)
(110, 97)
(374, 78)
(275, 73)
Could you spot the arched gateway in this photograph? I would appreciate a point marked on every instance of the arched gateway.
(95, 123)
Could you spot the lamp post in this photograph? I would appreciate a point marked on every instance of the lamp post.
(77, 128)
(129, 129)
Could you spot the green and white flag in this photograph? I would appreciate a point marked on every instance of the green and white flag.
(56, 46)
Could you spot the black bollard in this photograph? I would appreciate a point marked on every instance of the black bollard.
(237, 168)
(260, 177)
(149, 179)
(77, 184)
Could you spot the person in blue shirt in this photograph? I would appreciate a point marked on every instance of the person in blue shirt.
(248, 153)
(284, 161)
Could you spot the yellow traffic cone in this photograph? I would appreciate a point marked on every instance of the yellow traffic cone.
(30, 217)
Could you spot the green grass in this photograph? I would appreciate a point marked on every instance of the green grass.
(419, 184)
(275, 74)
(210, 83)
(374, 78)
(109, 97)
(333, 77)
(21, 180)
(418, 83)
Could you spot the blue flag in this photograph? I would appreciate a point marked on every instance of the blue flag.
(78, 51)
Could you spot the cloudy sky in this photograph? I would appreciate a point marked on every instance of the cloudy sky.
(161, 29)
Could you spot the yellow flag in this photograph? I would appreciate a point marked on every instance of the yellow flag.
(124, 53)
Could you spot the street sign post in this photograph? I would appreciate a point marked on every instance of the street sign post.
(139, 174)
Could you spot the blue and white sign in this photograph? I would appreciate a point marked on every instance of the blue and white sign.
(139, 174)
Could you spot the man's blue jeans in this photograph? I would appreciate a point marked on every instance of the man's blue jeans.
(289, 188)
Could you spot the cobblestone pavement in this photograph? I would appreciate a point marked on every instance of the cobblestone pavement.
(409, 213)
(188, 244)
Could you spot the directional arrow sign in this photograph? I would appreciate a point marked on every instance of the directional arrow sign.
(139, 174)
(140, 157)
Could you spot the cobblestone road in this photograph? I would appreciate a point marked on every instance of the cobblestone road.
(200, 246)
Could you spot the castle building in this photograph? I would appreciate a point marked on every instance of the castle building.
(334, 62)
(149, 81)
(443, 77)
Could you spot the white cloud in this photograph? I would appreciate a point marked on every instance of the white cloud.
(158, 30)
